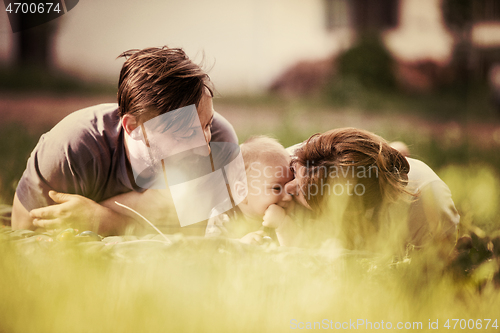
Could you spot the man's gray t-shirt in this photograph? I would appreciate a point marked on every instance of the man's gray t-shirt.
(85, 154)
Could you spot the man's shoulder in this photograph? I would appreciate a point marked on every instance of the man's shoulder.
(90, 116)
(90, 134)
(86, 125)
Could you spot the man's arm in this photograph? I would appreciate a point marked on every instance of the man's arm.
(156, 206)
(21, 218)
(105, 218)
(71, 210)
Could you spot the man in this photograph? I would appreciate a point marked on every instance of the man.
(79, 167)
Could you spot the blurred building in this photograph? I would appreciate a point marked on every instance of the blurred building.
(427, 49)
(248, 43)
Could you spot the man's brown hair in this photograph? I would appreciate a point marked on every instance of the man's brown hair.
(159, 80)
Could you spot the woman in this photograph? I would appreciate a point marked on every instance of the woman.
(366, 194)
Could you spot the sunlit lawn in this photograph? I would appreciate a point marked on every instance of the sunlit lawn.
(216, 285)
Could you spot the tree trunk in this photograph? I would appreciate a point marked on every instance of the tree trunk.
(34, 45)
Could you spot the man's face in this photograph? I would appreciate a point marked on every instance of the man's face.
(176, 137)
(193, 137)
(206, 115)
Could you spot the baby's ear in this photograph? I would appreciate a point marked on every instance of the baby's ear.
(241, 191)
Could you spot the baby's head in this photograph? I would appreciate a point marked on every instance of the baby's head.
(267, 166)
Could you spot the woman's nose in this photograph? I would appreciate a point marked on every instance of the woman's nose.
(291, 188)
(286, 196)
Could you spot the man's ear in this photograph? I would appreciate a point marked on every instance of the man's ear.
(129, 124)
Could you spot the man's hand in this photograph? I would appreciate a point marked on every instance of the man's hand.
(105, 218)
(82, 213)
(70, 210)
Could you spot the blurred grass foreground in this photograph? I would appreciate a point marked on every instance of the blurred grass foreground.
(52, 282)
(127, 284)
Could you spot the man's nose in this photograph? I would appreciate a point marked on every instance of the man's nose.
(208, 135)
(205, 150)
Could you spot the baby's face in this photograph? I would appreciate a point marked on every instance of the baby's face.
(266, 185)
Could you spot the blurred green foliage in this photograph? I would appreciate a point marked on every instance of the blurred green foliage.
(473, 102)
(220, 285)
(476, 191)
(36, 79)
(368, 63)
(17, 144)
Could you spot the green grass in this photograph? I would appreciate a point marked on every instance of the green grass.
(15, 149)
(36, 79)
(216, 285)
(471, 103)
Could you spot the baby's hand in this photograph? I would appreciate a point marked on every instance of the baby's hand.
(255, 237)
(287, 232)
(274, 217)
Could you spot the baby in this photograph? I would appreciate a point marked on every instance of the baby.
(267, 167)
